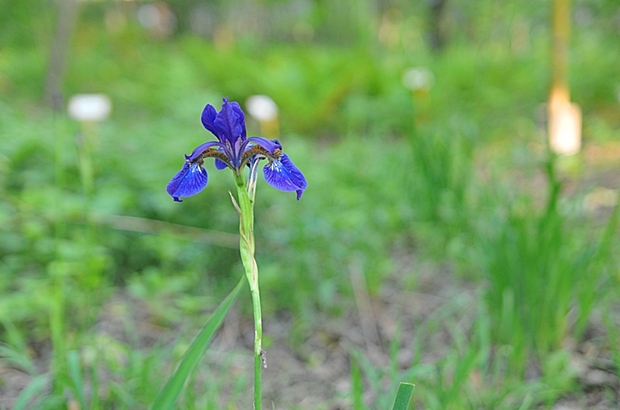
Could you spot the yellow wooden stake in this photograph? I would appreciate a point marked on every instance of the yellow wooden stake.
(564, 118)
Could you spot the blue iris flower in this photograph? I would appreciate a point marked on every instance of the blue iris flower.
(233, 149)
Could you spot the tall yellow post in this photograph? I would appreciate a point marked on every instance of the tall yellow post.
(564, 118)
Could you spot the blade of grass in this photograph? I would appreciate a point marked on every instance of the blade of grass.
(613, 335)
(169, 394)
(35, 387)
(373, 375)
(357, 390)
(17, 358)
(94, 377)
(13, 336)
(403, 396)
(75, 373)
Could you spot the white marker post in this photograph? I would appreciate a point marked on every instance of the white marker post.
(419, 80)
(265, 111)
(89, 110)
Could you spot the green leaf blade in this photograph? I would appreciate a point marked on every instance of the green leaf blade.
(168, 395)
(403, 396)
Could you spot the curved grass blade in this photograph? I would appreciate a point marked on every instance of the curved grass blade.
(17, 358)
(27, 396)
(75, 374)
(168, 395)
(357, 389)
(403, 396)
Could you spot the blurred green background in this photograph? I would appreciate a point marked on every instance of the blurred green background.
(439, 242)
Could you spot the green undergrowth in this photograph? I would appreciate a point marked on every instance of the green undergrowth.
(458, 177)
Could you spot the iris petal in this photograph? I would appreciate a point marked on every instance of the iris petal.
(230, 123)
(202, 148)
(207, 118)
(190, 180)
(282, 174)
(269, 145)
(220, 165)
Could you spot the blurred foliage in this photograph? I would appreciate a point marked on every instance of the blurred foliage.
(442, 173)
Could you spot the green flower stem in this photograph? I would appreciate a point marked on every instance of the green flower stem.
(245, 206)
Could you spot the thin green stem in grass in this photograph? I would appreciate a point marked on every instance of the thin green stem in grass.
(57, 300)
(84, 145)
(245, 207)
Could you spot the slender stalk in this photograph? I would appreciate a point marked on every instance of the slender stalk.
(245, 207)
(57, 299)
(561, 21)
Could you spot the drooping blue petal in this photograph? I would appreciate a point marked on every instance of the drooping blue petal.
(269, 145)
(190, 180)
(282, 174)
(230, 123)
(202, 148)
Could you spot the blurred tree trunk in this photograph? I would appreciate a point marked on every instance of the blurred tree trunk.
(437, 38)
(68, 11)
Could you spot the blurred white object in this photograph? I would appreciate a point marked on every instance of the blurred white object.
(89, 107)
(564, 124)
(262, 107)
(157, 18)
(418, 78)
